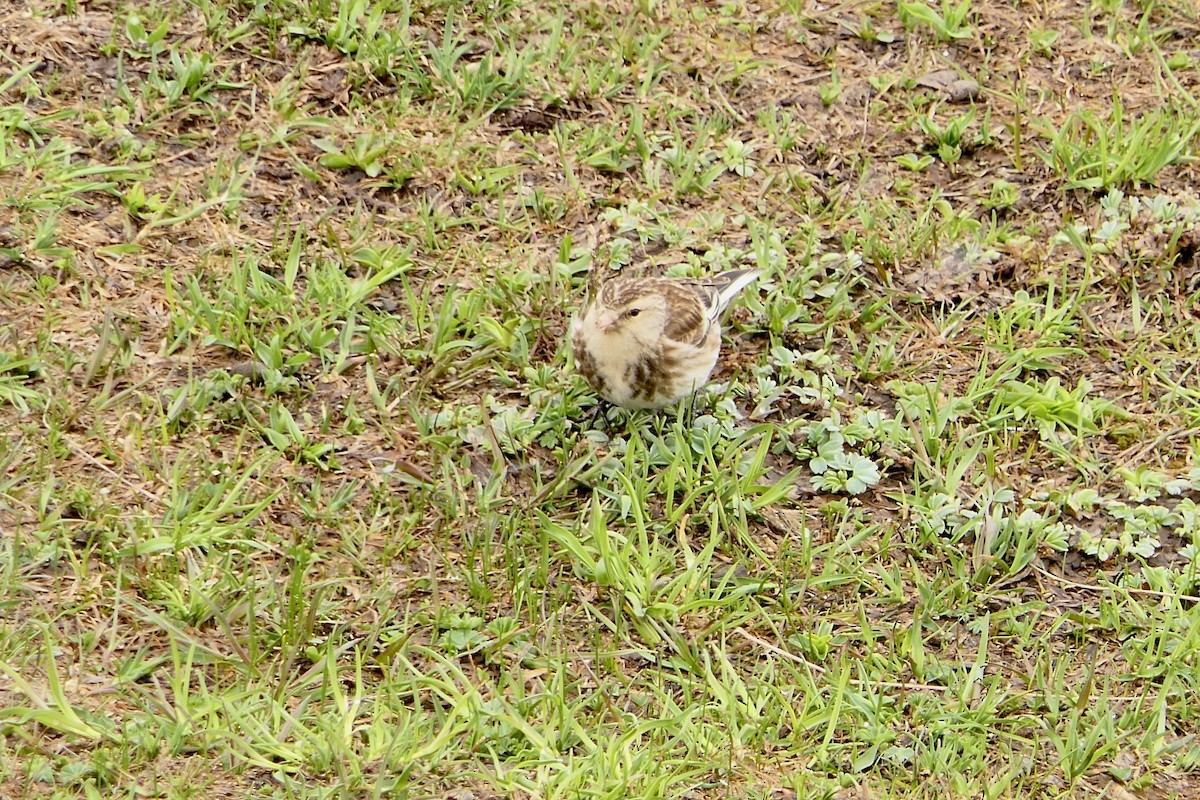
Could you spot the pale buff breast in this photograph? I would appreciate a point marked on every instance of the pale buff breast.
(636, 377)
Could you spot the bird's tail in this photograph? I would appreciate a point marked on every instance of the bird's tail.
(728, 284)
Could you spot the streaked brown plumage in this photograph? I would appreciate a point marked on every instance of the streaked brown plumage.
(649, 342)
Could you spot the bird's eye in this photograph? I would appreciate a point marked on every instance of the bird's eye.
(633, 312)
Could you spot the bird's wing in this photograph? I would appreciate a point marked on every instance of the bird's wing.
(691, 310)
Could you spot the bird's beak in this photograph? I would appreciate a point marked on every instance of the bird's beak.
(606, 321)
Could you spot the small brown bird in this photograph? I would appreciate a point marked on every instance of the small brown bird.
(650, 342)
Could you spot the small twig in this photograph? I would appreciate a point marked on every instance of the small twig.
(853, 681)
(88, 457)
(106, 335)
(1132, 455)
(1097, 588)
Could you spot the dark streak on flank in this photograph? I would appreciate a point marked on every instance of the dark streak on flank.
(585, 362)
(651, 377)
(645, 377)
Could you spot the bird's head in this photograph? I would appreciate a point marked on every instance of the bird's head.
(637, 315)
